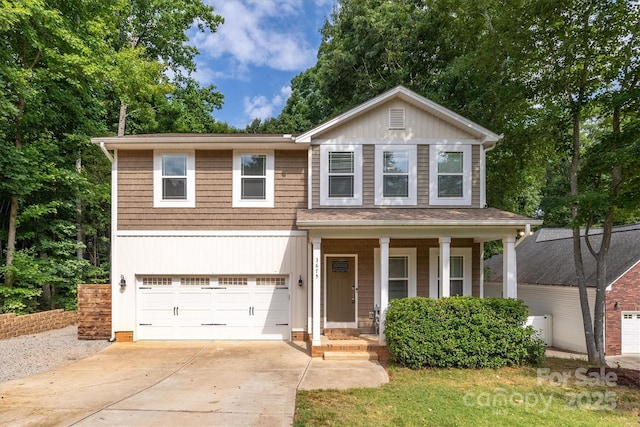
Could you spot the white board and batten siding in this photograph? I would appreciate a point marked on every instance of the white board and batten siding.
(561, 302)
(212, 257)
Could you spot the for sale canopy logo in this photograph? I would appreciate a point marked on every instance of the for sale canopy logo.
(501, 399)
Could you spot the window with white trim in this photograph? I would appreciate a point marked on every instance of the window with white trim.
(398, 277)
(402, 274)
(253, 179)
(450, 175)
(459, 272)
(395, 175)
(174, 179)
(341, 175)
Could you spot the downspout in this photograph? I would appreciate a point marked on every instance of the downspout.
(309, 178)
(113, 234)
(483, 174)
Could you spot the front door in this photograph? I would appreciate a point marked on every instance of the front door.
(341, 301)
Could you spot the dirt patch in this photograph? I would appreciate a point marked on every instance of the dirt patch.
(626, 377)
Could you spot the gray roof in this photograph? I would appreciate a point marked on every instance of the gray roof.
(547, 256)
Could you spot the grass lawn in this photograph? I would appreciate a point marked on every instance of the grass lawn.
(557, 396)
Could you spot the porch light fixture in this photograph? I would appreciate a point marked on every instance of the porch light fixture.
(123, 283)
(616, 305)
(300, 282)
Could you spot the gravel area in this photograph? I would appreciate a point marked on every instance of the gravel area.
(32, 354)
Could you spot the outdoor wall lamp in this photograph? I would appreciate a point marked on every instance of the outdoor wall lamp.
(300, 282)
(616, 305)
(123, 283)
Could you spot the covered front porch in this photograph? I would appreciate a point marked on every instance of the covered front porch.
(360, 259)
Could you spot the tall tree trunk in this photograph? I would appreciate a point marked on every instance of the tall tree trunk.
(13, 212)
(11, 240)
(122, 119)
(587, 321)
(79, 229)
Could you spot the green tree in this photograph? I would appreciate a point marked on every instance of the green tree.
(46, 69)
(64, 65)
(152, 39)
(580, 59)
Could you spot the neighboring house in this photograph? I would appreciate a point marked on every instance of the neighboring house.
(284, 237)
(547, 284)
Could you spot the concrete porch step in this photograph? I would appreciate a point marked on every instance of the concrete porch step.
(350, 355)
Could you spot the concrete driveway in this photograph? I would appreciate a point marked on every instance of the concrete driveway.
(163, 383)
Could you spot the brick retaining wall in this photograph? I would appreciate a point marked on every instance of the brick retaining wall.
(12, 325)
(94, 312)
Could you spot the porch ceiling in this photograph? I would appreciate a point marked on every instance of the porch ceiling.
(480, 224)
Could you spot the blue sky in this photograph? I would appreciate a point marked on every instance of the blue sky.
(254, 55)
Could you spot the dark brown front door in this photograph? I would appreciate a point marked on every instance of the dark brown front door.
(341, 291)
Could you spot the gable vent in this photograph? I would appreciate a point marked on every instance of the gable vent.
(396, 118)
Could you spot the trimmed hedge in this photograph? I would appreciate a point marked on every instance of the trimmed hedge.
(462, 332)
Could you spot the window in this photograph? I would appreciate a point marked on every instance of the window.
(174, 179)
(459, 272)
(402, 274)
(253, 179)
(456, 275)
(450, 175)
(398, 277)
(341, 175)
(395, 179)
(341, 171)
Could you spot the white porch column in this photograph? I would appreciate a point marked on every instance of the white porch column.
(384, 284)
(445, 260)
(481, 261)
(316, 284)
(509, 268)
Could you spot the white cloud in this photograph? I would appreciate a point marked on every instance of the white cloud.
(260, 33)
(260, 107)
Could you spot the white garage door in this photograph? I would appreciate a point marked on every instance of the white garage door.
(222, 308)
(630, 332)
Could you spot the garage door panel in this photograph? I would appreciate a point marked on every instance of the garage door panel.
(231, 312)
(271, 316)
(630, 332)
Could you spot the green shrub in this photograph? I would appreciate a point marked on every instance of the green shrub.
(463, 332)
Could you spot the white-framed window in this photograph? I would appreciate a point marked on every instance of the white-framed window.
(460, 272)
(253, 179)
(174, 181)
(403, 274)
(341, 175)
(450, 175)
(396, 175)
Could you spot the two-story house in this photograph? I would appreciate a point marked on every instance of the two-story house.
(283, 237)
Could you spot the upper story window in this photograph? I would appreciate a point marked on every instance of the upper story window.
(450, 175)
(174, 179)
(341, 175)
(395, 175)
(253, 179)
